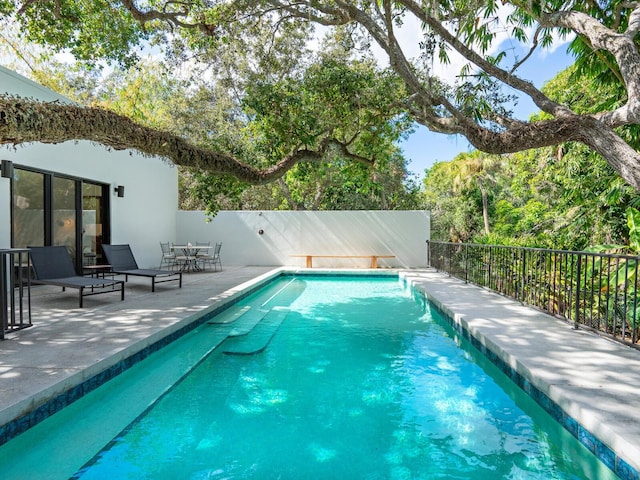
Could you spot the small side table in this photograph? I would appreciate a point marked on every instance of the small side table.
(97, 271)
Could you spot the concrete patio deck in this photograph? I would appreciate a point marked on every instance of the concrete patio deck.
(596, 381)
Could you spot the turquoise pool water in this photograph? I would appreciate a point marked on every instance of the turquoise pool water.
(309, 378)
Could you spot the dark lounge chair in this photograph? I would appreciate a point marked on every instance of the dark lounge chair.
(123, 262)
(52, 266)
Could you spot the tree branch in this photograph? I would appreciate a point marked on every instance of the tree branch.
(620, 45)
(25, 120)
(534, 46)
(173, 18)
(542, 101)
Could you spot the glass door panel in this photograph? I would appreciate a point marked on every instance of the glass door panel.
(92, 223)
(64, 214)
(28, 213)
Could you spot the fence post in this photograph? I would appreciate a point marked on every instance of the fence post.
(576, 321)
(523, 274)
(489, 267)
(634, 334)
(4, 298)
(466, 263)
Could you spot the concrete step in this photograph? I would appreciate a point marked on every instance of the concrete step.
(229, 315)
(259, 337)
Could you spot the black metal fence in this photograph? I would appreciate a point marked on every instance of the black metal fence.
(594, 290)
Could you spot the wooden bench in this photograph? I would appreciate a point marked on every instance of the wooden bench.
(374, 258)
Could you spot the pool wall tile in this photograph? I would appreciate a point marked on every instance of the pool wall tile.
(606, 455)
(571, 425)
(587, 439)
(598, 448)
(625, 471)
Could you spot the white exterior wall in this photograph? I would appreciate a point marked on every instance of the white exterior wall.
(144, 216)
(400, 233)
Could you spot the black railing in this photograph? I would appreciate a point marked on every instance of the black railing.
(593, 290)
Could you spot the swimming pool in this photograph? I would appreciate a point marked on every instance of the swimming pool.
(338, 378)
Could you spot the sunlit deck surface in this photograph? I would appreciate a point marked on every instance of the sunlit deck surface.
(596, 381)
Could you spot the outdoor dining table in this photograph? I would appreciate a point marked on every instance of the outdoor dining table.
(190, 253)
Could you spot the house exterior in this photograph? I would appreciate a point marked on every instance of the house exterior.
(66, 194)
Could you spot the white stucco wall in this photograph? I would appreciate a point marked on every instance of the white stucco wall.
(144, 216)
(400, 233)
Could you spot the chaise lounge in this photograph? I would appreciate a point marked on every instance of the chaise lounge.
(123, 262)
(52, 266)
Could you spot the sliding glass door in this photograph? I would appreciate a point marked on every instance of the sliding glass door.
(52, 209)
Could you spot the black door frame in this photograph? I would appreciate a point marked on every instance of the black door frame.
(47, 191)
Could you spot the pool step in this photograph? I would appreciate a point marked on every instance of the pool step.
(230, 315)
(259, 337)
(286, 295)
(247, 323)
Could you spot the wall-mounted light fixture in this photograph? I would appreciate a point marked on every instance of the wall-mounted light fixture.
(6, 169)
(119, 190)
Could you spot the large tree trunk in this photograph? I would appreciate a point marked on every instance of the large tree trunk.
(485, 207)
(25, 121)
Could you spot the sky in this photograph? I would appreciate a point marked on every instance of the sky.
(423, 148)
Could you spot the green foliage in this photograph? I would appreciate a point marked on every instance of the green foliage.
(261, 47)
(351, 101)
(211, 193)
(454, 216)
(88, 29)
(538, 201)
(633, 221)
(347, 100)
(563, 197)
(595, 64)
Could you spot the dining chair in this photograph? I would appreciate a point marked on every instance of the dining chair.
(203, 257)
(168, 259)
(183, 259)
(216, 256)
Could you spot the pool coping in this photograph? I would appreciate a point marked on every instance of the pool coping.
(471, 311)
